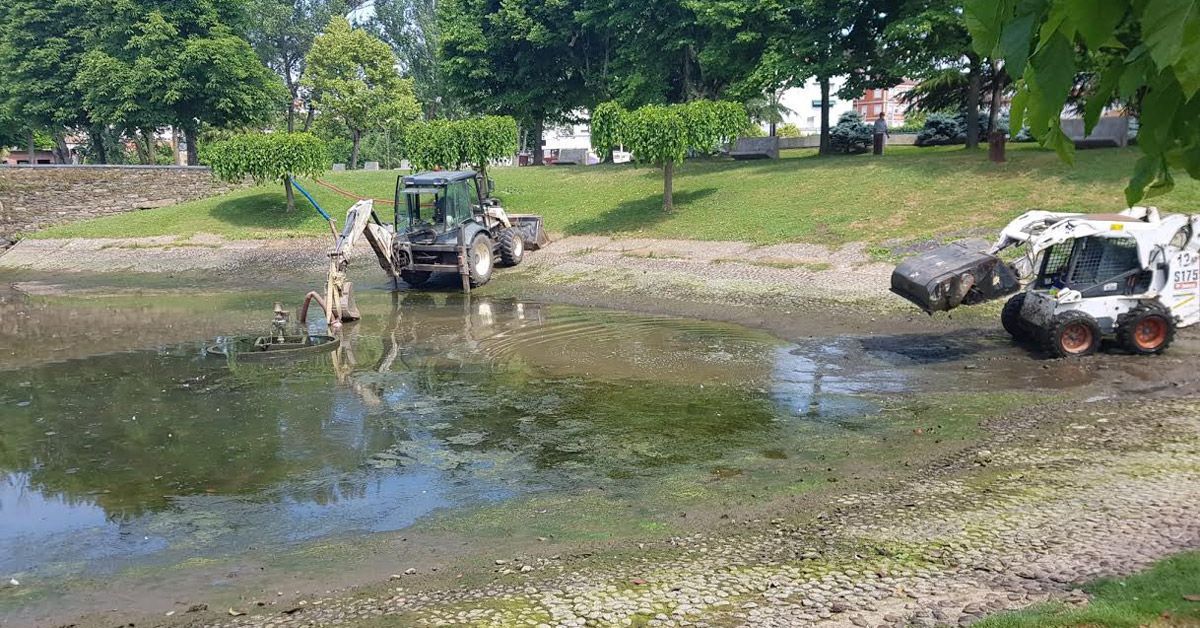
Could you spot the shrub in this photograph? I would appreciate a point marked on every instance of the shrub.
(850, 135)
(753, 130)
(941, 130)
(268, 158)
(788, 130)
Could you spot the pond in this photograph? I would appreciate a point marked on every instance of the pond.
(122, 445)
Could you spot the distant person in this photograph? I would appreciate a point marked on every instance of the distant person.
(881, 132)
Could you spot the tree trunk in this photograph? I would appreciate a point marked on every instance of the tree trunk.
(772, 129)
(144, 140)
(308, 120)
(973, 88)
(996, 144)
(291, 195)
(825, 147)
(61, 152)
(356, 135)
(189, 136)
(291, 113)
(32, 149)
(174, 146)
(97, 137)
(539, 151)
(669, 186)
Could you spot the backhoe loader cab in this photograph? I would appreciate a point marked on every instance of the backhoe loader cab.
(448, 222)
(1133, 277)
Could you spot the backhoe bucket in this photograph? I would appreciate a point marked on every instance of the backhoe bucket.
(954, 275)
(531, 228)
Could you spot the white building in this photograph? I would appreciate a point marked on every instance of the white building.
(805, 103)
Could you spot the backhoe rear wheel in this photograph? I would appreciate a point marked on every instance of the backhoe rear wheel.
(1146, 329)
(512, 246)
(1071, 334)
(1010, 318)
(480, 260)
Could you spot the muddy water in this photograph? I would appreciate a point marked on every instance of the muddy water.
(123, 445)
(156, 452)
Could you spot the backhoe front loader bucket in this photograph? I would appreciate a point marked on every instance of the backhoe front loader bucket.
(531, 228)
(954, 275)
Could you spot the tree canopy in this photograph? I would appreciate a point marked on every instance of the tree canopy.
(269, 158)
(456, 143)
(353, 77)
(283, 33)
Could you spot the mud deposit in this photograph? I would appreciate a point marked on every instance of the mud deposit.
(131, 461)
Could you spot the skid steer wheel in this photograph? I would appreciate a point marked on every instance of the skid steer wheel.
(512, 246)
(1010, 318)
(480, 260)
(1146, 329)
(1071, 334)
(415, 278)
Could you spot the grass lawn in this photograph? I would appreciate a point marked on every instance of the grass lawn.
(1151, 598)
(908, 194)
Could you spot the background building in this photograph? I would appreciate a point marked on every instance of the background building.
(805, 105)
(887, 101)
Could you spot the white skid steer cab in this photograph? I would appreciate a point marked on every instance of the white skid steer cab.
(1133, 277)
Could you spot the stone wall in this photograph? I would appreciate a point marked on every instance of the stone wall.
(33, 198)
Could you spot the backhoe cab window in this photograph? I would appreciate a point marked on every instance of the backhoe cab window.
(425, 206)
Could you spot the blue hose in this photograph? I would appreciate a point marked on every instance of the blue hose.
(311, 200)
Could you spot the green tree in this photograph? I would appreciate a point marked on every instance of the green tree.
(269, 158)
(928, 41)
(823, 39)
(768, 108)
(606, 124)
(514, 58)
(456, 143)
(282, 34)
(1155, 66)
(41, 42)
(182, 63)
(671, 50)
(411, 28)
(353, 77)
(663, 134)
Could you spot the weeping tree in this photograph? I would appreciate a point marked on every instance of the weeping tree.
(269, 158)
(607, 120)
(456, 143)
(663, 134)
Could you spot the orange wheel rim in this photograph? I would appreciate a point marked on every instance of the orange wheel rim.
(1150, 332)
(1076, 338)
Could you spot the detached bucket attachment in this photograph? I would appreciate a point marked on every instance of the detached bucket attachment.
(954, 275)
(531, 228)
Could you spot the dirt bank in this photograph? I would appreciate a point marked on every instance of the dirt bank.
(723, 273)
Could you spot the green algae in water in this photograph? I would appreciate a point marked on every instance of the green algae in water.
(155, 454)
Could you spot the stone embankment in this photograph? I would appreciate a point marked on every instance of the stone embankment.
(33, 198)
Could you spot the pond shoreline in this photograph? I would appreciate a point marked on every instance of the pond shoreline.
(943, 540)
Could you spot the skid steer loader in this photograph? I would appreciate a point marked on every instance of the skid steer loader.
(444, 222)
(1133, 277)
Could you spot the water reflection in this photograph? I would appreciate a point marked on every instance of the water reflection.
(432, 401)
